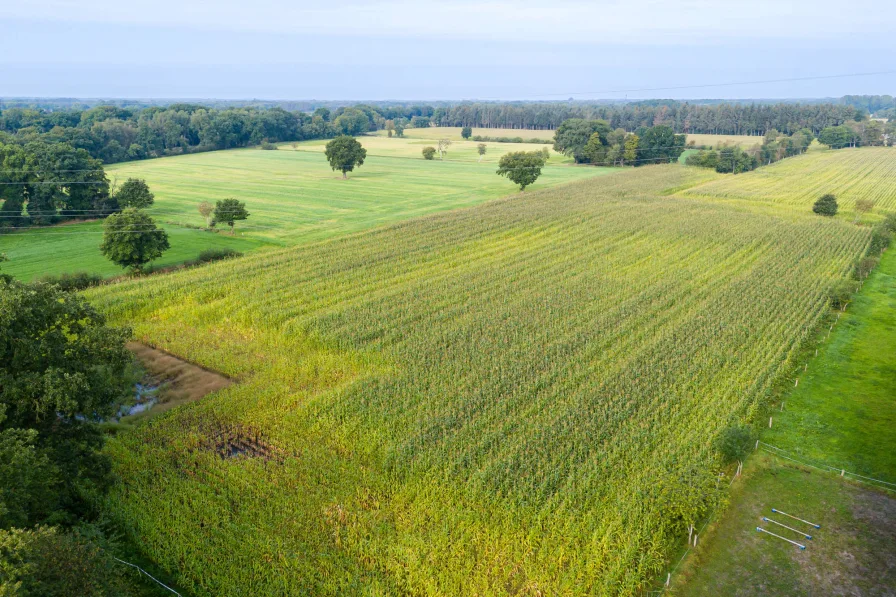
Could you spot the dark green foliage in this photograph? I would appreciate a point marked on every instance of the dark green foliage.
(735, 160)
(573, 136)
(268, 146)
(215, 254)
(73, 282)
(521, 167)
(881, 236)
(229, 211)
(466, 132)
(344, 153)
(131, 239)
(734, 443)
(659, 145)
(419, 122)
(352, 122)
(835, 137)
(841, 294)
(826, 205)
(47, 562)
(134, 193)
(60, 368)
(533, 140)
(429, 152)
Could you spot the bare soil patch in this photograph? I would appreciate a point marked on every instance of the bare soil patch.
(179, 381)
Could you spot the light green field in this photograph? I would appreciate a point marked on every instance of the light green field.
(716, 141)
(292, 195)
(797, 182)
(295, 197)
(75, 248)
(519, 398)
(453, 133)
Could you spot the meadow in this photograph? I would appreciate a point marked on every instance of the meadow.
(520, 397)
(795, 183)
(292, 195)
(75, 248)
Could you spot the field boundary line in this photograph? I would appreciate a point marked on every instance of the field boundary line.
(828, 468)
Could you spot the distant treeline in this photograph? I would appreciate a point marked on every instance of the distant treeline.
(115, 134)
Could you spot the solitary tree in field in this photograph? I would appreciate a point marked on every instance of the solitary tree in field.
(390, 128)
(521, 167)
(466, 132)
(134, 193)
(399, 129)
(863, 206)
(826, 205)
(344, 153)
(429, 152)
(443, 147)
(205, 210)
(230, 211)
(481, 148)
(131, 239)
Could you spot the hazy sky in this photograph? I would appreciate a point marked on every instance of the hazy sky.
(545, 49)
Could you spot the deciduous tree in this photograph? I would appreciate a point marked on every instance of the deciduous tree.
(131, 239)
(826, 205)
(134, 193)
(230, 211)
(521, 167)
(344, 153)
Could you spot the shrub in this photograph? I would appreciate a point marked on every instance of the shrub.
(217, 254)
(429, 152)
(880, 239)
(864, 267)
(72, 282)
(826, 205)
(734, 443)
(267, 145)
(841, 293)
(466, 132)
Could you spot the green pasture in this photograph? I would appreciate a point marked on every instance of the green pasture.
(75, 248)
(292, 195)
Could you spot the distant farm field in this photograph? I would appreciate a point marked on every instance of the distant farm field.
(516, 398)
(292, 195)
(453, 133)
(850, 174)
(716, 141)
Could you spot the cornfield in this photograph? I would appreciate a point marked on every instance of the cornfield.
(849, 174)
(519, 398)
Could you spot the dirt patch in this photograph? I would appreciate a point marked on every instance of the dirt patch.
(179, 381)
(238, 441)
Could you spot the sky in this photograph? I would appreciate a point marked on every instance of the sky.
(451, 50)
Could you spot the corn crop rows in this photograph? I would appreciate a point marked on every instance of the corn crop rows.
(850, 174)
(519, 398)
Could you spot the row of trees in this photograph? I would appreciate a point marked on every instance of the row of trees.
(43, 183)
(734, 159)
(114, 134)
(596, 142)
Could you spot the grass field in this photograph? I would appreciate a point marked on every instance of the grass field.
(516, 398)
(842, 414)
(292, 195)
(850, 174)
(75, 248)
